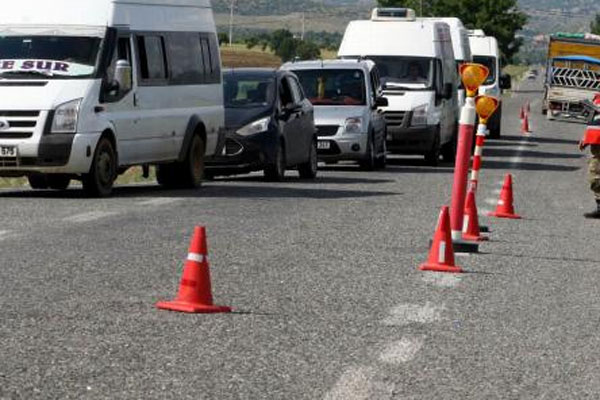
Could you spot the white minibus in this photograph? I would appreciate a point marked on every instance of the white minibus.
(419, 78)
(486, 52)
(89, 88)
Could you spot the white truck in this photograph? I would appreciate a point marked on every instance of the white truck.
(89, 88)
(485, 51)
(418, 72)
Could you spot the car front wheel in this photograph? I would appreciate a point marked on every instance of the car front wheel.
(308, 170)
(99, 181)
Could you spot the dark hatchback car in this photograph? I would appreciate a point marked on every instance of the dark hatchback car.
(269, 126)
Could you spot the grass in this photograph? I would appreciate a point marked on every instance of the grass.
(516, 71)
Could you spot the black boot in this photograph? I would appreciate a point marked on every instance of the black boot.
(594, 214)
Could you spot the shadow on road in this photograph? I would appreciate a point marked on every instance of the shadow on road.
(526, 166)
(529, 154)
(547, 258)
(536, 139)
(208, 191)
(321, 179)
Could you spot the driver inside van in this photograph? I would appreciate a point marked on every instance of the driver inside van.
(415, 73)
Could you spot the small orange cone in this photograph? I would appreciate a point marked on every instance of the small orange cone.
(471, 230)
(195, 292)
(525, 125)
(441, 255)
(505, 207)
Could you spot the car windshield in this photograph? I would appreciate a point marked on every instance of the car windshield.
(249, 91)
(405, 73)
(489, 62)
(333, 87)
(50, 57)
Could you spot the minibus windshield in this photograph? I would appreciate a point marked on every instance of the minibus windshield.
(249, 91)
(405, 73)
(48, 57)
(333, 87)
(489, 62)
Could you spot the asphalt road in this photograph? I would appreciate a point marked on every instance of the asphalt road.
(323, 277)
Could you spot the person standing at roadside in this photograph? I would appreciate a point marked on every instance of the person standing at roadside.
(592, 139)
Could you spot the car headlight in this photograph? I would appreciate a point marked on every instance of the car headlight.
(419, 115)
(262, 125)
(353, 125)
(66, 116)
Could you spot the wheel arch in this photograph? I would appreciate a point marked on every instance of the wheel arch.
(195, 127)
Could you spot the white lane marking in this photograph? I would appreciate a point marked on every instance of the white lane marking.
(91, 216)
(359, 383)
(402, 351)
(484, 211)
(4, 234)
(405, 314)
(497, 191)
(441, 280)
(160, 201)
(490, 201)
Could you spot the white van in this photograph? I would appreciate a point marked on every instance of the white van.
(462, 51)
(89, 88)
(347, 98)
(486, 52)
(418, 74)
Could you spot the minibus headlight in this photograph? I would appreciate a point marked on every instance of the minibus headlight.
(262, 125)
(66, 116)
(419, 115)
(353, 126)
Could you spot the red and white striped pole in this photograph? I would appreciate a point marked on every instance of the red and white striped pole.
(461, 168)
(477, 157)
(473, 75)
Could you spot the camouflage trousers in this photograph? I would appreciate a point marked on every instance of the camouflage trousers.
(594, 171)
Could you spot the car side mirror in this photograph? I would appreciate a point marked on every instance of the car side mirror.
(122, 76)
(448, 91)
(505, 82)
(381, 102)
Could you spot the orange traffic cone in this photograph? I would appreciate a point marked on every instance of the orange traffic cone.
(195, 293)
(525, 125)
(441, 255)
(505, 207)
(471, 230)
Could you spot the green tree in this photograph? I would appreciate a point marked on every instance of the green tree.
(595, 25)
(499, 18)
(307, 50)
(223, 38)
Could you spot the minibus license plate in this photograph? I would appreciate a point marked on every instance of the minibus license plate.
(323, 145)
(8, 151)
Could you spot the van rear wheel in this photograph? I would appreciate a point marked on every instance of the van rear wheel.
(100, 180)
(38, 181)
(187, 174)
(58, 182)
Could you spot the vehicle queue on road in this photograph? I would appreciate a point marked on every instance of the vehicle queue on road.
(125, 87)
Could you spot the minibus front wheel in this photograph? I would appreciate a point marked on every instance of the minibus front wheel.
(99, 181)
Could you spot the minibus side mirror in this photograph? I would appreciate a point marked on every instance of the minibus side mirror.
(448, 91)
(123, 76)
(381, 102)
(505, 82)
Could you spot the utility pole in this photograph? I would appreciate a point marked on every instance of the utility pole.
(303, 25)
(231, 8)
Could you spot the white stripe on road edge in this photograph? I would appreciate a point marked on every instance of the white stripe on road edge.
(441, 280)
(91, 216)
(196, 257)
(405, 314)
(402, 351)
(160, 201)
(359, 383)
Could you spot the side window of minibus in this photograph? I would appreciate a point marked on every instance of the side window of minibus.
(121, 52)
(439, 81)
(152, 62)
